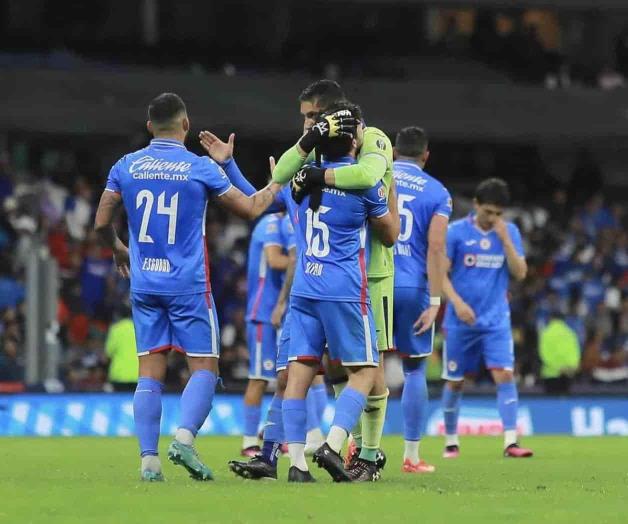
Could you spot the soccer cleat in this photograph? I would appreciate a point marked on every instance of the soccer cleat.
(451, 452)
(284, 450)
(152, 476)
(332, 462)
(354, 452)
(186, 456)
(255, 469)
(250, 452)
(516, 451)
(417, 467)
(364, 471)
(296, 475)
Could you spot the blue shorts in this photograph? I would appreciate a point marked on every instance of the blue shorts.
(409, 303)
(347, 327)
(463, 349)
(283, 347)
(262, 342)
(185, 323)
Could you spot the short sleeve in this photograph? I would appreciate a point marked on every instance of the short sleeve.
(444, 206)
(375, 199)
(272, 232)
(515, 235)
(113, 180)
(287, 233)
(452, 241)
(213, 177)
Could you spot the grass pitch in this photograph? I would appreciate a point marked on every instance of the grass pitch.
(95, 480)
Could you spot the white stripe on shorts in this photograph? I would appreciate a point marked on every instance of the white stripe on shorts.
(367, 336)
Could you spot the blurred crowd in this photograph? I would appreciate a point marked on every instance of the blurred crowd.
(570, 315)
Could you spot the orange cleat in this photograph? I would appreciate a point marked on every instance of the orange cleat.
(419, 467)
(516, 451)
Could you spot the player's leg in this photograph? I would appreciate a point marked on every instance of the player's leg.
(316, 401)
(153, 338)
(499, 356)
(194, 325)
(350, 333)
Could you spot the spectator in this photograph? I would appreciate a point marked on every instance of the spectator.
(559, 350)
(122, 352)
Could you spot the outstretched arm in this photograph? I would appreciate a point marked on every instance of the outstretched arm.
(249, 207)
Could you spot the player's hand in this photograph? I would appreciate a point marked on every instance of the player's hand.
(501, 228)
(276, 317)
(121, 259)
(340, 123)
(272, 163)
(218, 150)
(305, 180)
(465, 313)
(426, 320)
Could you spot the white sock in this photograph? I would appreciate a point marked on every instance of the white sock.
(314, 437)
(296, 451)
(185, 436)
(249, 440)
(452, 440)
(151, 463)
(336, 438)
(411, 450)
(510, 437)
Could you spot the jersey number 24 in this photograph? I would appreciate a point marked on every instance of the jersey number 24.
(146, 196)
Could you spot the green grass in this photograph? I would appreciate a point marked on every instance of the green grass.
(95, 480)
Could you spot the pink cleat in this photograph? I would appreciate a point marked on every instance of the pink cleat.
(451, 452)
(420, 467)
(284, 449)
(352, 454)
(516, 451)
(251, 451)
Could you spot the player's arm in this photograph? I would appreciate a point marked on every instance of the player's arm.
(103, 226)
(276, 258)
(284, 293)
(517, 264)
(463, 311)
(249, 207)
(387, 225)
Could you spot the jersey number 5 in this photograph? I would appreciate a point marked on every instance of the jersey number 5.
(147, 196)
(405, 216)
(317, 233)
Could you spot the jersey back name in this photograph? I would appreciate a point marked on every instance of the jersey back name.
(420, 197)
(331, 243)
(165, 190)
(479, 273)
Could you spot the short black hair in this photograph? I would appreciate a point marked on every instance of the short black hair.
(411, 141)
(332, 148)
(164, 108)
(493, 191)
(325, 92)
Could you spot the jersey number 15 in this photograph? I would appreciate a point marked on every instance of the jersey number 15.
(147, 196)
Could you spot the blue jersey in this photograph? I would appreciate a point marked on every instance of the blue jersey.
(264, 283)
(288, 237)
(479, 273)
(165, 189)
(331, 243)
(420, 197)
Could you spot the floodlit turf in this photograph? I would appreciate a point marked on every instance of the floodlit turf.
(94, 480)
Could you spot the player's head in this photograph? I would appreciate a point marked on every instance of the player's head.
(491, 197)
(167, 116)
(334, 148)
(318, 97)
(412, 143)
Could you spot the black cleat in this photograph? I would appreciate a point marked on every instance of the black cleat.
(354, 454)
(255, 469)
(364, 471)
(327, 458)
(380, 459)
(296, 475)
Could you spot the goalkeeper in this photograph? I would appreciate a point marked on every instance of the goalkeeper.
(374, 164)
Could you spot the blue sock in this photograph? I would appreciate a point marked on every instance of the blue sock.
(507, 404)
(320, 394)
(313, 421)
(294, 417)
(451, 409)
(147, 414)
(414, 399)
(273, 431)
(252, 416)
(349, 407)
(196, 399)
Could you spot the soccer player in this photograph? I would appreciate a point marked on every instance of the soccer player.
(424, 209)
(483, 252)
(165, 190)
(374, 165)
(330, 303)
(267, 262)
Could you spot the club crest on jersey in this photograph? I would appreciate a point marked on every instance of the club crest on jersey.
(381, 192)
(452, 366)
(269, 365)
(485, 243)
(469, 260)
(381, 144)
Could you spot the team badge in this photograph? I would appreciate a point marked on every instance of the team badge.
(381, 144)
(269, 365)
(469, 260)
(381, 192)
(485, 243)
(452, 366)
